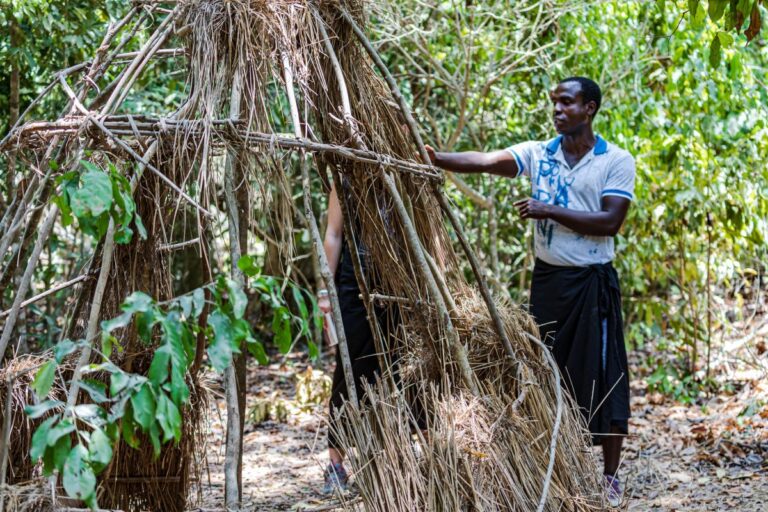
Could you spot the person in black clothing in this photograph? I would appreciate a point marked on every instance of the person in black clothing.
(360, 340)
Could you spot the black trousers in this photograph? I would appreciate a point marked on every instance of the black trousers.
(578, 310)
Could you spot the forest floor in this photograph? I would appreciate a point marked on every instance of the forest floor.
(709, 455)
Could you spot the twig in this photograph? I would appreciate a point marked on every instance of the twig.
(46, 293)
(349, 232)
(180, 245)
(412, 238)
(42, 238)
(558, 417)
(234, 434)
(6, 437)
(479, 272)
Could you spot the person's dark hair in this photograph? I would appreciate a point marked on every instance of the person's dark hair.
(590, 91)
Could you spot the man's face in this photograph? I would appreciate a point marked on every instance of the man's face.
(570, 113)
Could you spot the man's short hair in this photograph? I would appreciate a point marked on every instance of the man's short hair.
(590, 91)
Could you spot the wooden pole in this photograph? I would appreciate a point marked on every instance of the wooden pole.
(234, 436)
(412, 238)
(317, 242)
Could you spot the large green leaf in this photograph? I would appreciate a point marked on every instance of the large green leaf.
(40, 438)
(237, 298)
(221, 350)
(169, 418)
(716, 9)
(158, 370)
(78, 477)
(99, 450)
(281, 327)
(143, 403)
(94, 196)
(44, 379)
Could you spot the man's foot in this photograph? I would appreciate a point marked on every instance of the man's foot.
(612, 490)
(336, 478)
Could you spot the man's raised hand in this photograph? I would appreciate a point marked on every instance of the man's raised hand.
(532, 209)
(430, 153)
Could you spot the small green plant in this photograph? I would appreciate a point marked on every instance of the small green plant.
(94, 196)
(78, 441)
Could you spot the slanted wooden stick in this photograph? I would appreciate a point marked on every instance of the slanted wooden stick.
(317, 242)
(48, 292)
(556, 427)
(349, 234)
(6, 437)
(412, 238)
(26, 278)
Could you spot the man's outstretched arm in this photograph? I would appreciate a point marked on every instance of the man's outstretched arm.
(501, 163)
(606, 222)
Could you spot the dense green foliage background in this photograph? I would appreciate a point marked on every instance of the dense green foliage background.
(692, 111)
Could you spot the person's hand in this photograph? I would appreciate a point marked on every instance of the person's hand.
(532, 209)
(323, 301)
(430, 153)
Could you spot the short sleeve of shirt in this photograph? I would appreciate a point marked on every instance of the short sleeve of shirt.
(523, 154)
(621, 178)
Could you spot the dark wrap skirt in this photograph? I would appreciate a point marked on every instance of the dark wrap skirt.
(578, 310)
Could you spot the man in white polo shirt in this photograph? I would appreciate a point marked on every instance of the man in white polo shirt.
(581, 189)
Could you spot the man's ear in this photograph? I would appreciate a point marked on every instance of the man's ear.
(591, 108)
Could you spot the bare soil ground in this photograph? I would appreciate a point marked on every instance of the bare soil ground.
(712, 455)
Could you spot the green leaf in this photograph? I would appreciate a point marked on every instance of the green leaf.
(314, 353)
(281, 327)
(138, 302)
(40, 438)
(94, 196)
(237, 298)
(140, 227)
(169, 418)
(78, 477)
(35, 411)
(256, 348)
(143, 403)
(95, 389)
(198, 302)
(63, 428)
(55, 456)
(725, 38)
(116, 323)
(158, 370)
(179, 389)
(123, 235)
(44, 379)
(248, 265)
(697, 12)
(99, 449)
(220, 351)
(128, 428)
(715, 53)
(154, 437)
(63, 349)
(298, 298)
(716, 9)
(117, 382)
(90, 413)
